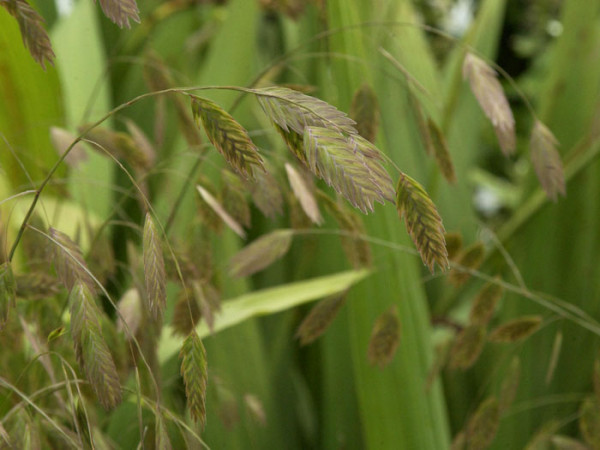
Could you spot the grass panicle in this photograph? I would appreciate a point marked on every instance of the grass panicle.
(8, 292)
(68, 261)
(423, 222)
(385, 338)
(467, 347)
(483, 425)
(365, 112)
(91, 350)
(490, 96)
(154, 269)
(195, 376)
(319, 318)
(546, 161)
(484, 305)
(228, 137)
(304, 194)
(261, 253)
(516, 329)
(31, 24)
(120, 11)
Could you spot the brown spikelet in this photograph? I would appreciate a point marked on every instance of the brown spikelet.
(228, 137)
(485, 303)
(186, 313)
(365, 112)
(255, 409)
(510, 385)
(61, 140)
(385, 338)
(467, 347)
(261, 253)
(292, 110)
(516, 329)
(350, 164)
(441, 152)
(220, 211)
(319, 318)
(490, 96)
(546, 161)
(7, 292)
(91, 350)
(120, 11)
(32, 29)
(154, 269)
(234, 196)
(68, 261)
(454, 243)
(589, 421)
(304, 194)
(483, 425)
(266, 194)
(357, 250)
(423, 222)
(195, 375)
(470, 258)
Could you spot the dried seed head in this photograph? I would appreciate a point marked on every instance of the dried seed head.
(385, 338)
(516, 329)
(491, 98)
(469, 259)
(485, 303)
(546, 161)
(365, 112)
(154, 269)
(319, 318)
(120, 11)
(220, 211)
(483, 425)
(467, 347)
(68, 261)
(261, 253)
(195, 375)
(304, 194)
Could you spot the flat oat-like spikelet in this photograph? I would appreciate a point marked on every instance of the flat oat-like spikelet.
(261, 253)
(485, 303)
(220, 211)
(423, 222)
(483, 425)
(467, 347)
(319, 318)
(510, 384)
(68, 261)
(304, 194)
(491, 98)
(154, 268)
(517, 329)
(546, 161)
(194, 372)
(266, 194)
(7, 292)
(228, 136)
(32, 29)
(91, 350)
(385, 338)
(365, 112)
(441, 152)
(120, 11)
(350, 164)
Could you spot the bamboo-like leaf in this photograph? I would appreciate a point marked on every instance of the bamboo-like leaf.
(365, 112)
(68, 261)
(154, 269)
(234, 196)
(454, 243)
(193, 370)
(91, 350)
(261, 253)
(441, 152)
(546, 161)
(483, 426)
(515, 330)
(304, 194)
(7, 292)
(510, 385)
(589, 421)
(491, 98)
(467, 347)
(32, 29)
(423, 222)
(470, 258)
(220, 211)
(266, 194)
(319, 318)
(485, 303)
(61, 140)
(292, 110)
(120, 11)
(385, 338)
(350, 164)
(228, 137)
